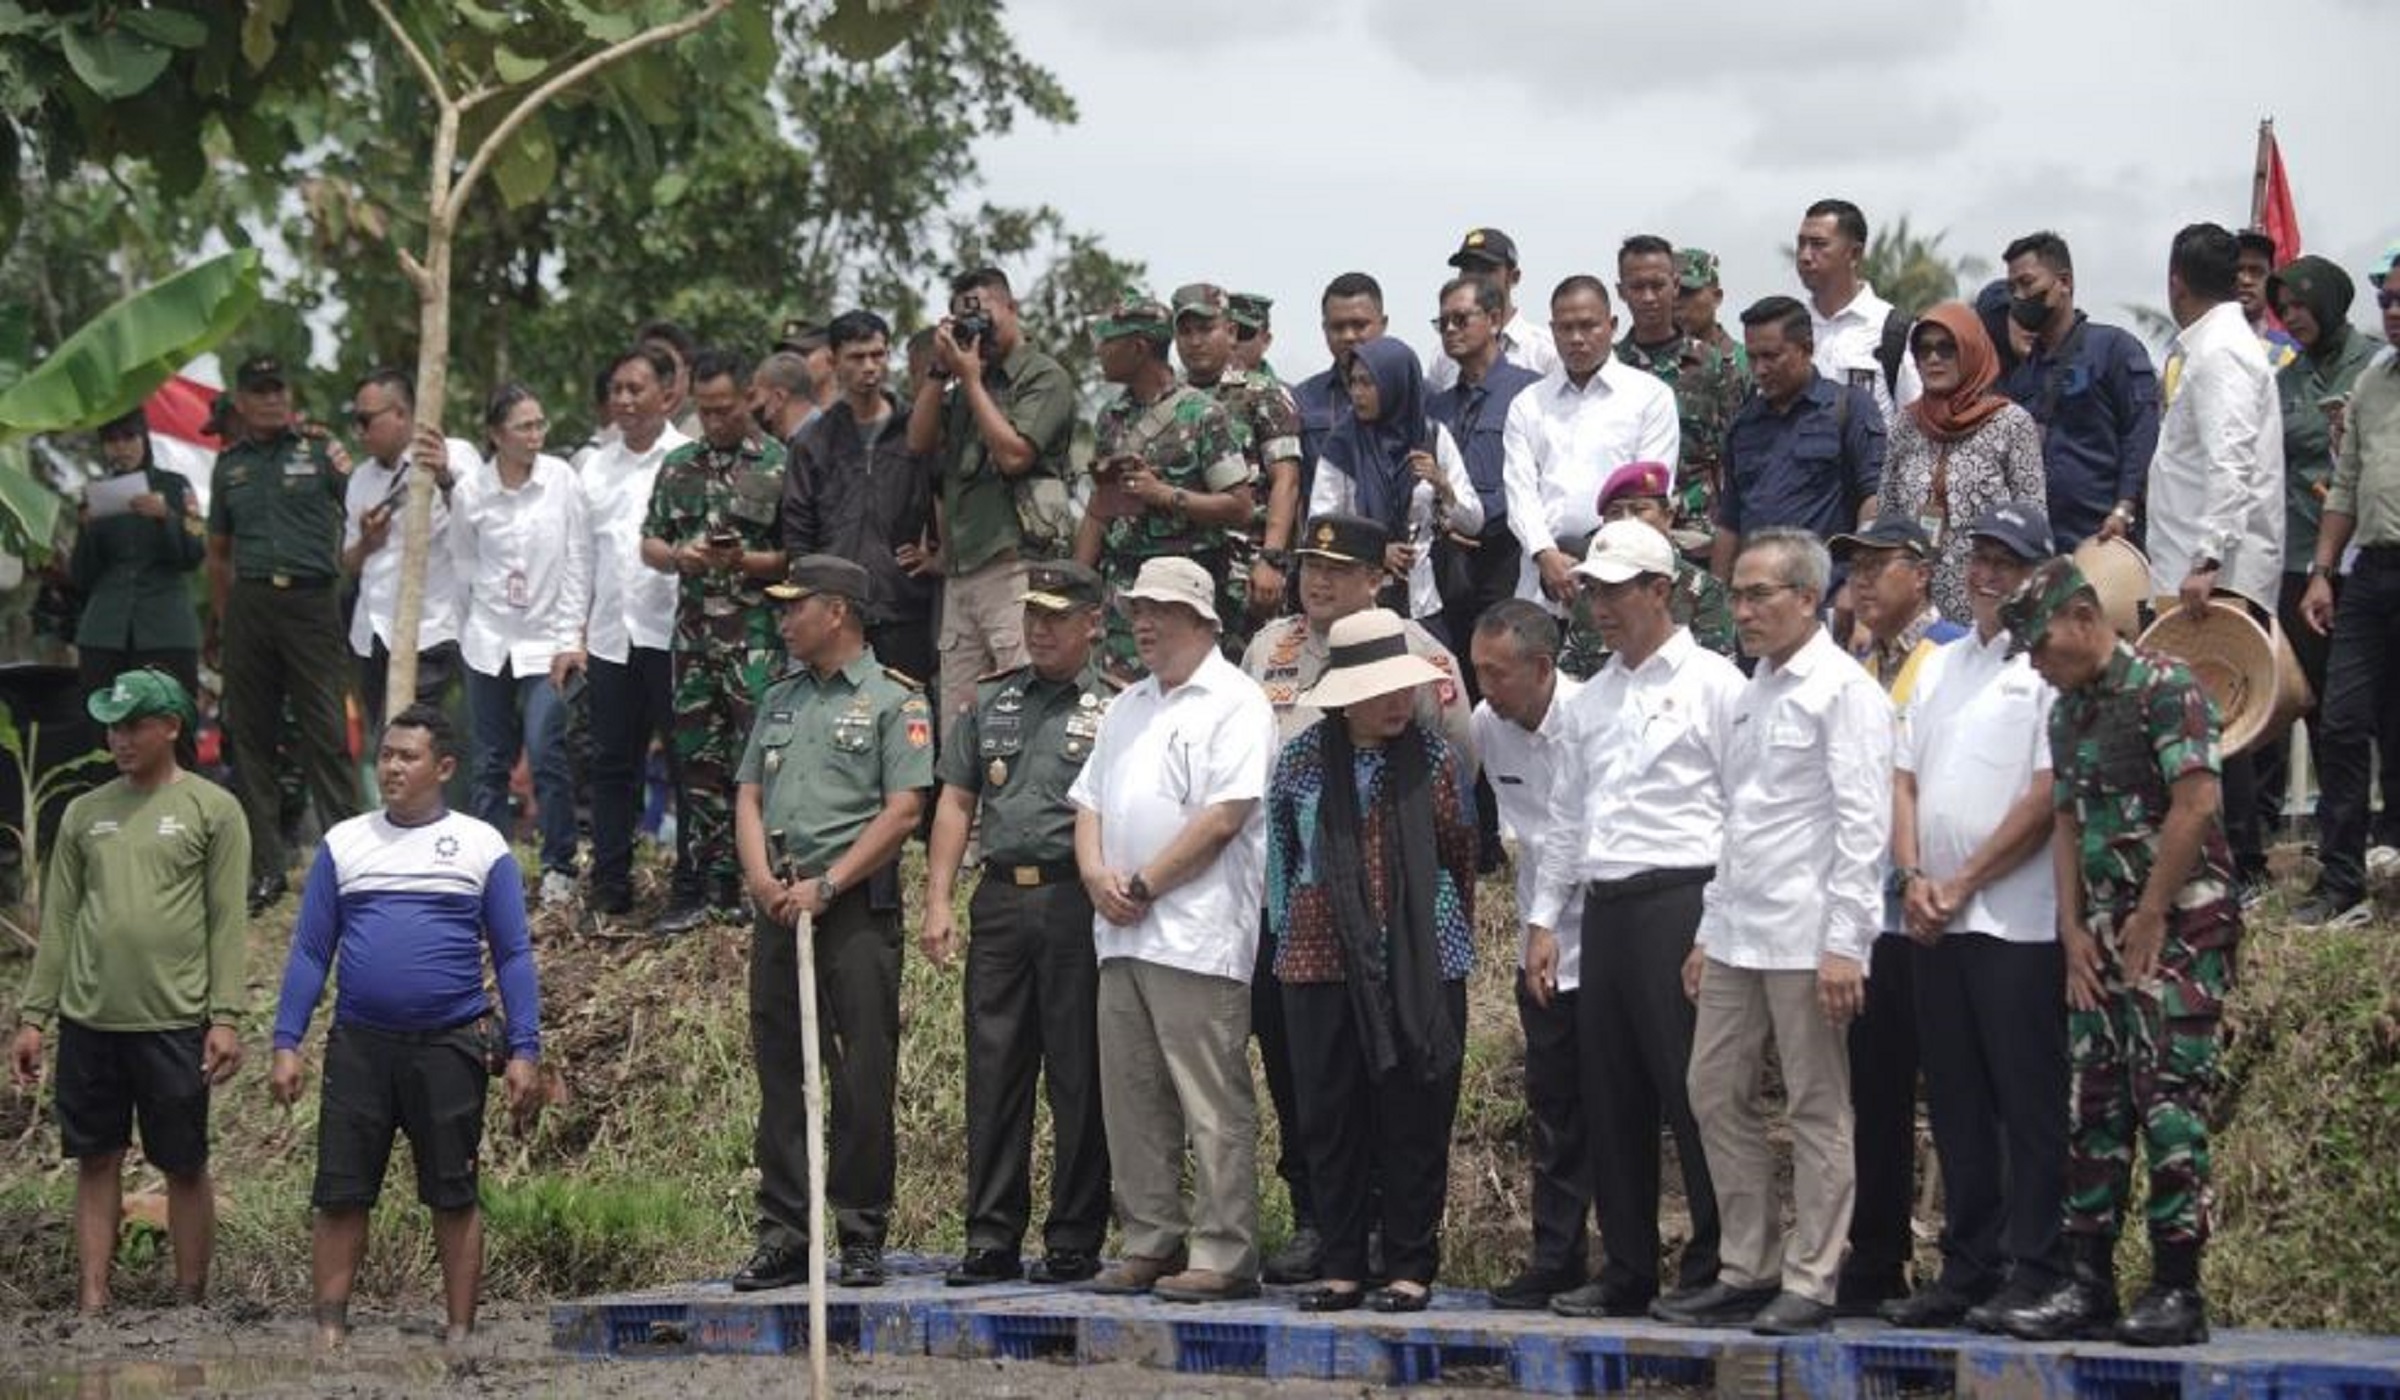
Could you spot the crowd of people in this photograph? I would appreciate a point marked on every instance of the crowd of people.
(1762, 659)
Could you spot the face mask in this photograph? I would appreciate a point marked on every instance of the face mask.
(2032, 313)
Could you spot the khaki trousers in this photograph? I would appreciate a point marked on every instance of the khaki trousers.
(983, 628)
(1738, 1009)
(1175, 1067)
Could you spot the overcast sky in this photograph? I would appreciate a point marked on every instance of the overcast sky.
(1271, 146)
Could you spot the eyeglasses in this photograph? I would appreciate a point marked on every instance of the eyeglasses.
(364, 419)
(1456, 320)
(1760, 594)
(1867, 566)
(2387, 300)
(1938, 350)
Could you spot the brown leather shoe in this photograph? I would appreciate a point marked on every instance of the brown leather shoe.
(1136, 1273)
(1204, 1286)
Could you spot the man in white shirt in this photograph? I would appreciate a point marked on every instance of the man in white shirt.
(632, 620)
(1565, 435)
(1170, 836)
(1632, 836)
(1515, 646)
(1782, 947)
(383, 411)
(1862, 339)
(2216, 497)
(1491, 255)
(1971, 821)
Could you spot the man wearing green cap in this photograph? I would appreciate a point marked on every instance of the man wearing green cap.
(1698, 294)
(1253, 333)
(2149, 927)
(1267, 425)
(140, 967)
(1708, 384)
(1170, 477)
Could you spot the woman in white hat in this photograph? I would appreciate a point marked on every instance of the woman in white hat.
(1371, 848)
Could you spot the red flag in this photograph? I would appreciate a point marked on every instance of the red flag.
(2271, 209)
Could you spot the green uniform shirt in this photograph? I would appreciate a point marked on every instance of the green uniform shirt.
(700, 489)
(825, 753)
(1190, 442)
(979, 510)
(2308, 438)
(1708, 388)
(143, 910)
(2366, 480)
(1699, 601)
(1019, 749)
(2117, 746)
(1266, 422)
(134, 573)
(281, 502)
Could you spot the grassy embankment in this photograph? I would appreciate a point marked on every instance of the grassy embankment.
(638, 1174)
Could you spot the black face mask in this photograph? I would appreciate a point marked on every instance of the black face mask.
(2032, 313)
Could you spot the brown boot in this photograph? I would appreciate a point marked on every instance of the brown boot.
(1136, 1273)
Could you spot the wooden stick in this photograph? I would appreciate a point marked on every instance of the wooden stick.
(2258, 175)
(805, 932)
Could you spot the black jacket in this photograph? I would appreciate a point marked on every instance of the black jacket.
(861, 499)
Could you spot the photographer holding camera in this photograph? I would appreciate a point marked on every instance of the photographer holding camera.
(994, 419)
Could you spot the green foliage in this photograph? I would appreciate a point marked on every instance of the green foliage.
(1912, 271)
(36, 789)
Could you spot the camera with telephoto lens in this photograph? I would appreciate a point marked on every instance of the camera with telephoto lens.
(970, 327)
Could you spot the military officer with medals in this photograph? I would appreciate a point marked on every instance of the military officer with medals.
(1341, 565)
(831, 784)
(1032, 975)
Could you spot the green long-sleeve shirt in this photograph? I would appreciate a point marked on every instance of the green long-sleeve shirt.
(142, 911)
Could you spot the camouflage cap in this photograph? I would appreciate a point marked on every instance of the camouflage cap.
(1200, 299)
(1061, 585)
(1695, 269)
(1134, 314)
(1249, 309)
(2046, 591)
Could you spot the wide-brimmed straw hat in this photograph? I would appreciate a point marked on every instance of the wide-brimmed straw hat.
(1370, 657)
(2233, 658)
(2120, 574)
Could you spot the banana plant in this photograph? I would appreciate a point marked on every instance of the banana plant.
(37, 788)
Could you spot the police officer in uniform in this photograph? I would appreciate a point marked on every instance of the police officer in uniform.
(832, 783)
(1340, 560)
(1033, 978)
(275, 513)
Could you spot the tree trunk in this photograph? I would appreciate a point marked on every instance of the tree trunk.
(433, 374)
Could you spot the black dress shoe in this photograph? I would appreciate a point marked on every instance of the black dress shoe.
(1718, 1304)
(2165, 1317)
(265, 891)
(1791, 1315)
(2081, 1305)
(1532, 1289)
(1865, 1295)
(1064, 1266)
(1597, 1299)
(1301, 1260)
(862, 1266)
(681, 918)
(1331, 1300)
(1987, 1315)
(772, 1266)
(1931, 1306)
(981, 1266)
(1399, 1300)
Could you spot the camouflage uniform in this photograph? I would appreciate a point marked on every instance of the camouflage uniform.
(726, 647)
(1267, 425)
(1191, 443)
(2146, 1061)
(1699, 601)
(1708, 388)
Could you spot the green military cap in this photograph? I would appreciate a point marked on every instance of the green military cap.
(1200, 299)
(811, 574)
(260, 371)
(1134, 314)
(1695, 269)
(1061, 585)
(2046, 591)
(1249, 309)
(134, 694)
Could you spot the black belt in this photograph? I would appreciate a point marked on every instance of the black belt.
(431, 1037)
(1649, 880)
(2380, 553)
(1032, 875)
(287, 581)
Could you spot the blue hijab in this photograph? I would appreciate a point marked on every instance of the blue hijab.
(1375, 455)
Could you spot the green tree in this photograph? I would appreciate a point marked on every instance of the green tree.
(1912, 271)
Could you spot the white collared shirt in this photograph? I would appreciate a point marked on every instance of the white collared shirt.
(524, 562)
(1561, 442)
(633, 605)
(371, 483)
(1640, 775)
(1976, 732)
(1159, 762)
(1808, 815)
(1522, 764)
(1847, 342)
(1333, 490)
(2216, 480)
(1524, 342)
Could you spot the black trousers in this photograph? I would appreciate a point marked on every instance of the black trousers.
(1275, 1055)
(2362, 679)
(1032, 998)
(286, 645)
(1378, 1152)
(1562, 1170)
(1883, 1143)
(1993, 1032)
(1634, 1034)
(2272, 759)
(858, 1032)
(632, 703)
(437, 668)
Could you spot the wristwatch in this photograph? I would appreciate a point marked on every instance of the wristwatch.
(1138, 887)
(2317, 570)
(827, 890)
(1280, 560)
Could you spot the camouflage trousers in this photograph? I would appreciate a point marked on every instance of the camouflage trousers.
(1118, 655)
(2144, 1065)
(715, 699)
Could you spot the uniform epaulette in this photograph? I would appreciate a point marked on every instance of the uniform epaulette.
(1000, 673)
(903, 677)
(791, 672)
